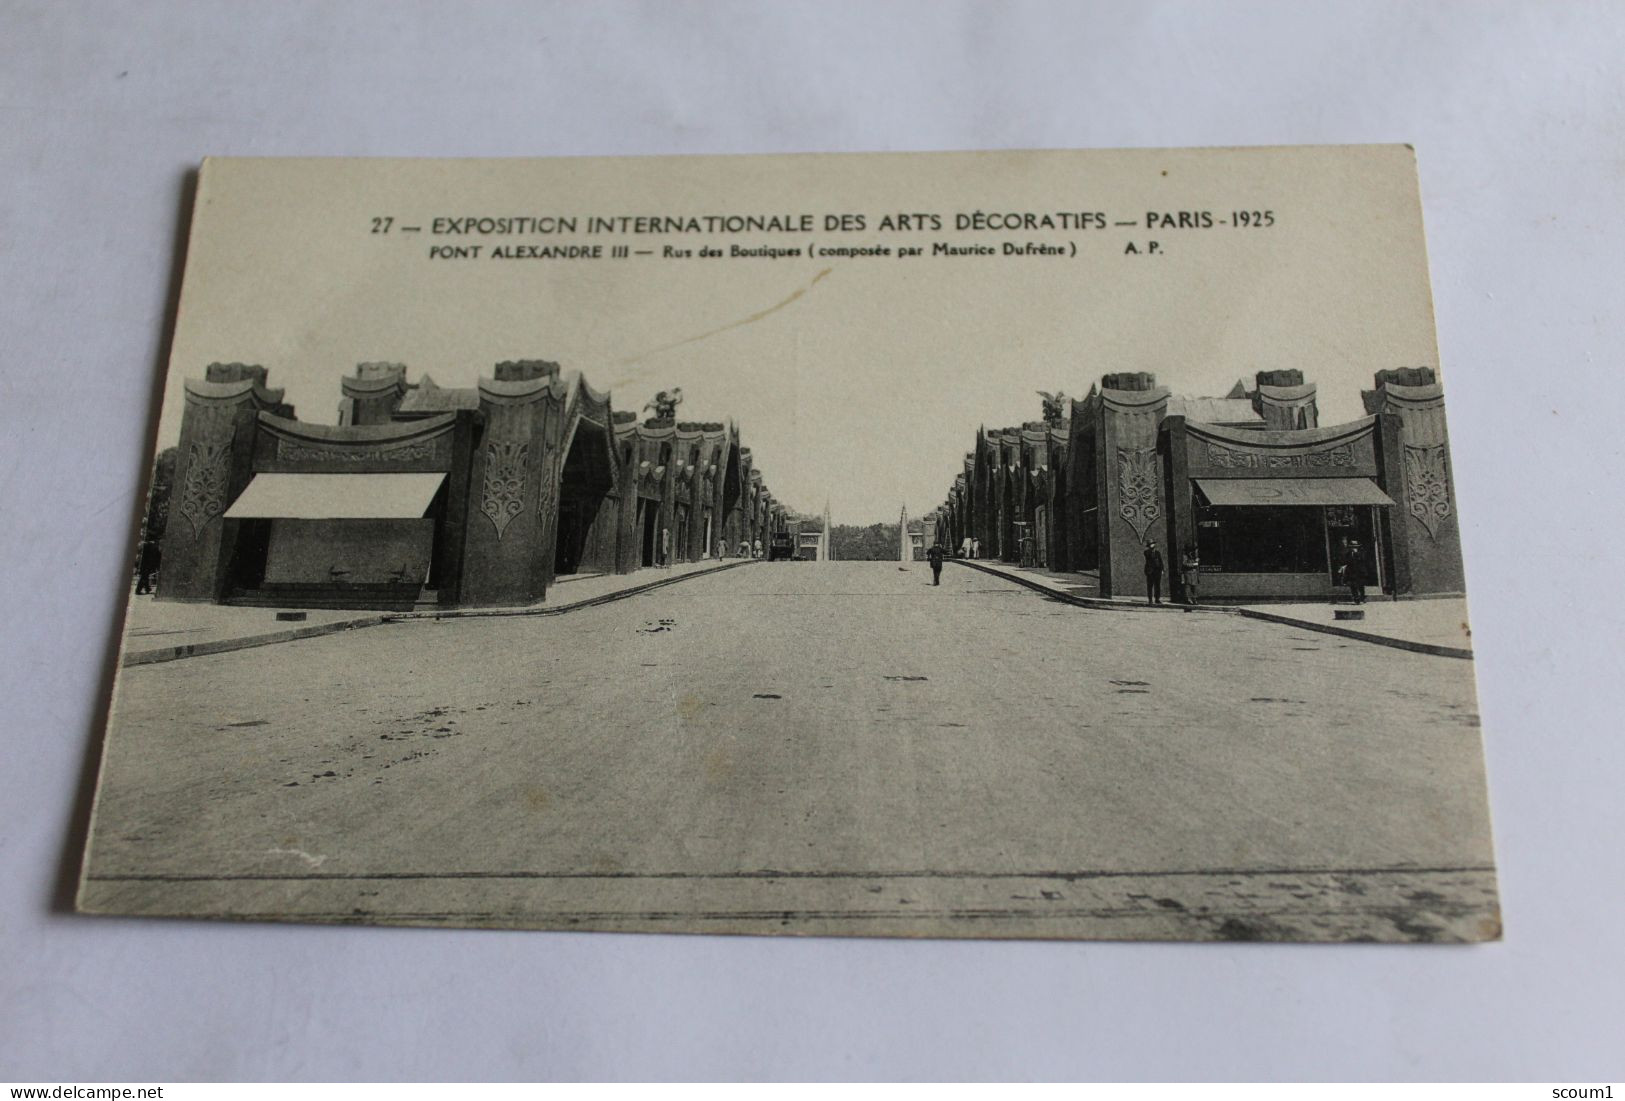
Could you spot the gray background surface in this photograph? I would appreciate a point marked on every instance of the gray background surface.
(1518, 114)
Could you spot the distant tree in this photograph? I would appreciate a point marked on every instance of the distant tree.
(874, 543)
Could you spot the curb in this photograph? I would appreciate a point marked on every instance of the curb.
(226, 645)
(1361, 636)
(1089, 601)
(1249, 613)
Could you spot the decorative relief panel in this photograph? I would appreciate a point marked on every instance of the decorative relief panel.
(402, 452)
(552, 470)
(1234, 459)
(1137, 480)
(208, 478)
(547, 505)
(1427, 486)
(503, 494)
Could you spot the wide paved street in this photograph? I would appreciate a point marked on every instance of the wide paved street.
(822, 748)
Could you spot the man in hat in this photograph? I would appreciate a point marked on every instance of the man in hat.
(1354, 572)
(1190, 572)
(147, 565)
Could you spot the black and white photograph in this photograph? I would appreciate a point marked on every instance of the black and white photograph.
(778, 541)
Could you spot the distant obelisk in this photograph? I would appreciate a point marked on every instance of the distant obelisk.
(826, 541)
(905, 548)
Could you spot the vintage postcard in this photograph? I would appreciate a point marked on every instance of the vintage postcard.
(1019, 544)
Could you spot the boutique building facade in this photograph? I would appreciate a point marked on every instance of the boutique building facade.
(425, 495)
(1274, 504)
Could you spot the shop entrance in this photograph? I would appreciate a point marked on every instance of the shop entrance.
(1352, 538)
(581, 542)
(572, 536)
(338, 540)
(1285, 537)
(647, 515)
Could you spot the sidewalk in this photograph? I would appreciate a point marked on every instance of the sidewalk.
(164, 630)
(1075, 588)
(156, 631)
(1437, 626)
(584, 590)
(1434, 626)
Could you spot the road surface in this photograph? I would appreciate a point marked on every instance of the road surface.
(832, 748)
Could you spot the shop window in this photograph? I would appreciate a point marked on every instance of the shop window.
(1256, 539)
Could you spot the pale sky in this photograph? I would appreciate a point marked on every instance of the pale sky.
(859, 380)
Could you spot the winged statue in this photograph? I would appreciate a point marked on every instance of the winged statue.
(665, 403)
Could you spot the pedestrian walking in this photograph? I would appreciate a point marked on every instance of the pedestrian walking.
(964, 547)
(1190, 572)
(934, 556)
(1153, 573)
(744, 548)
(758, 548)
(1354, 572)
(976, 548)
